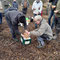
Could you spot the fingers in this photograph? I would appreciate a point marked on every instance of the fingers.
(56, 11)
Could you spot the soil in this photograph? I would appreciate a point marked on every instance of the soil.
(11, 50)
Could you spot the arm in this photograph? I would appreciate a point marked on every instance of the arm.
(33, 6)
(58, 7)
(25, 25)
(12, 3)
(17, 4)
(40, 31)
(23, 20)
(41, 7)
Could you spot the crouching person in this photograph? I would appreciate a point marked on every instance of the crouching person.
(43, 32)
(13, 18)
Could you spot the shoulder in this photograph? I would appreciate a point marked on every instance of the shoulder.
(34, 2)
(44, 21)
(41, 2)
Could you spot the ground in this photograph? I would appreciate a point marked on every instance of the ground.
(11, 50)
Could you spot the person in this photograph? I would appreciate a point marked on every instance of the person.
(37, 8)
(25, 5)
(48, 8)
(15, 4)
(1, 11)
(43, 32)
(13, 17)
(53, 6)
(5, 4)
(57, 20)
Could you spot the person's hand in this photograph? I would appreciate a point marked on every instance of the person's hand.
(27, 32)
(56, 11)
(53, 6)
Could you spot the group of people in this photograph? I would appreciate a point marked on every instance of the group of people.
(43, 29)
(5, 5)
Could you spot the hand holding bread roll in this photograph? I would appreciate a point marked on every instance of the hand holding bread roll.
(53, 6)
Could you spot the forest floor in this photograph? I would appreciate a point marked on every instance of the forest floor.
(11, 50)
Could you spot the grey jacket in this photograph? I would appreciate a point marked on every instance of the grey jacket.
(44, 28)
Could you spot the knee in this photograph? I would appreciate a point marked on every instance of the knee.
(40, 39)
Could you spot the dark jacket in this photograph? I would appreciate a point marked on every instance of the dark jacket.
(15, 17)
(15, 4)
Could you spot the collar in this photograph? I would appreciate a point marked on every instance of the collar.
(37, 2)
(41, 22)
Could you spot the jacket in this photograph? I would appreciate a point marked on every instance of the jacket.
(37, 6)
(15, 17)
(15, 4)
(58, 8)
(44, 28)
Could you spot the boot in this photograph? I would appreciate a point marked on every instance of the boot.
(54, 37)
(15, 39)
(40, 45)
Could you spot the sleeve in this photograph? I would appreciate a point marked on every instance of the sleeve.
(17, 5)
(12, 3)
(58, 8)
(23, 20)
(40, 31)
(41, 7)
(33, 5)
(6, 11)
(25, 25)
(27, 3)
